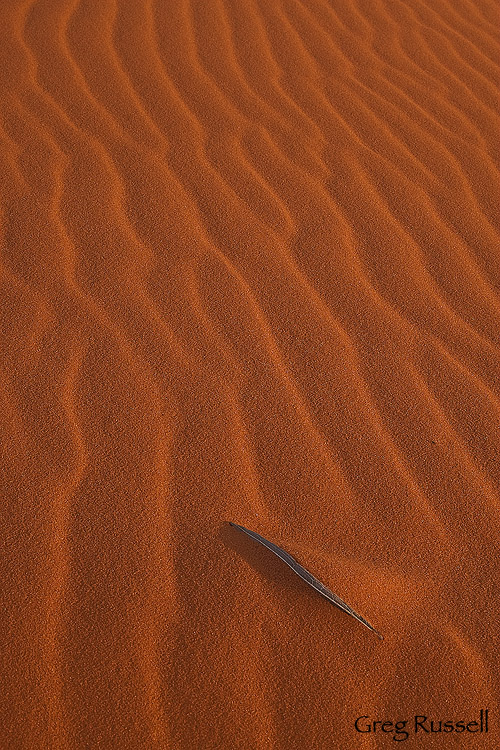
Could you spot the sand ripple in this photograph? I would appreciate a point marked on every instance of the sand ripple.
(249, 271)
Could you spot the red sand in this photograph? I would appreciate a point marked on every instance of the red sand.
(249, 272)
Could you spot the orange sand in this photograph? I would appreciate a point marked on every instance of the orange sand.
(250, 272)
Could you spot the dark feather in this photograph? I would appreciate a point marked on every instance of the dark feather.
(307, 577)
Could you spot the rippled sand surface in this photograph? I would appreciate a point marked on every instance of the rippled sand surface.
(249, 272)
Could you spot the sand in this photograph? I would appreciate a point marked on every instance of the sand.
(250, 272)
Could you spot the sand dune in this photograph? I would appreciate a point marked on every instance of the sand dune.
(249, 272)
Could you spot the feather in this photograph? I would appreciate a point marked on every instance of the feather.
(307, 577)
